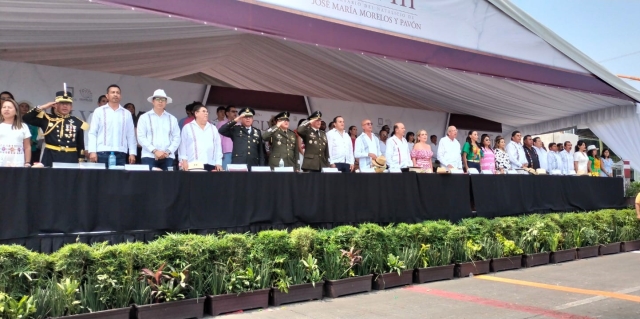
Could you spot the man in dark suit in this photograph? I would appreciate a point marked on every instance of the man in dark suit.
(316, 148)
(248, 146)
(283, 143)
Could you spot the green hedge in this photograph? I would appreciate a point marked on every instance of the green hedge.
(80, 278)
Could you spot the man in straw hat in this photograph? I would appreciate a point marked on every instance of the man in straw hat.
(316, 148)
(63, 132)
(248, 146)
(283, 143)
(158, 133)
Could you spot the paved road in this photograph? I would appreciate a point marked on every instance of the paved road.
(603, 287)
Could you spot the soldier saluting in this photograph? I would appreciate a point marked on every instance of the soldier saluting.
(248, 146)
(283, 143)
(316, 149)
(63, 132)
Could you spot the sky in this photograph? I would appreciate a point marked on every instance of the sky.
(606, 30)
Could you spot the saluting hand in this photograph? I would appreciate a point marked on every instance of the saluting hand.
(48, 105)
(239, 117)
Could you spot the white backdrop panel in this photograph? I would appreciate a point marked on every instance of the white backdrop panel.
(354, 112)
(38, 84)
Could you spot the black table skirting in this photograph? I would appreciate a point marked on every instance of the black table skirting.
(504, 195)
(46, 208)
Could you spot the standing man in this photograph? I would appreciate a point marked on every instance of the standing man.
(63, 132)
(434, 149)
(383, 141)
(367, 147)
(397, 153)
(542, 152)
(283, 142)
(158, 133)
(227, 144)
(340, 147)
(316, 150)
(112, 131)
(220, 115)
(248, 146)
(531, 156)
(567, 159)
(515, 150)
(102, 100)
(554, 160)
(323, 126)
(449, 150)
(189, 110)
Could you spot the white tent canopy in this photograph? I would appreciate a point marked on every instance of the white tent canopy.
(89, 36)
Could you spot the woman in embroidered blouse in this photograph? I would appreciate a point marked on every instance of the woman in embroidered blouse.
(502, 158)
(421, 154)
(15, 138)
(488, 161)
(471, 152)
(606, 164)
(580, 158)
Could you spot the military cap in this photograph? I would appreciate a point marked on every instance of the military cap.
(61, 97)
(282, 116)
(317, 115)
(247, 111)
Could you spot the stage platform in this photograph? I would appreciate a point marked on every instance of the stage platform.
(46, 208)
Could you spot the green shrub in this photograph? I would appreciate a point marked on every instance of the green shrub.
(119, 262)
(343, 236)
(436, 232)
(303, 242)
(15, 270)
(72, 260)
(633, 189)
(271, 245)
(477, 227)
(235, 248)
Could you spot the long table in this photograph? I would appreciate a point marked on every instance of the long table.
(45, 208)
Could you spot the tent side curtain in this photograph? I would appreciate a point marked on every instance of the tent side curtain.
(584, 119)
(620, 134)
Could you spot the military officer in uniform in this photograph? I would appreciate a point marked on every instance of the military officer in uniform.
(316, 149)
(283, 143)
(63, 132)
(248, 146)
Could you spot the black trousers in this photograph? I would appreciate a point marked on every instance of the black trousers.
(343, 167)
(50, 156)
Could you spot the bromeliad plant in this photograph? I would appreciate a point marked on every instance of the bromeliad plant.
(166, 285)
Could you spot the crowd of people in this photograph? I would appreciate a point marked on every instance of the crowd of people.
(157, 138)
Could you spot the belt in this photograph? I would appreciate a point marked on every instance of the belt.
(475, 161)
(61, 148)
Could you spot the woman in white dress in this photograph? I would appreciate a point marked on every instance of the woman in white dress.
(200, 142)
(580, 158)
(15, 137)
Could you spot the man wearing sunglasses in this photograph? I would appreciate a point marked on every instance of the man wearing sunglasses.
(158, 133)
(367, 146)
(227, 144)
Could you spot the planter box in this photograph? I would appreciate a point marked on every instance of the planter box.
(183, 309)
(609, 249)
(390, 280)
(477, 268)
(233, 302)
(537, 259)
(506, 263)
(630, 245)
(303, 292)
(430, 274)
(122, 313)
(347, 286)
(563, 255)
(588, 252)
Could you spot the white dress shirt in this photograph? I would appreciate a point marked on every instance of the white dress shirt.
(364, 146)
(158, 132)
(542, 157)
(112, 131)
(200, 145)
(449, 153)
(554, 161)
(383, 147)
(397, 153)
(567, 162)
(340, 147)
(517, 157)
